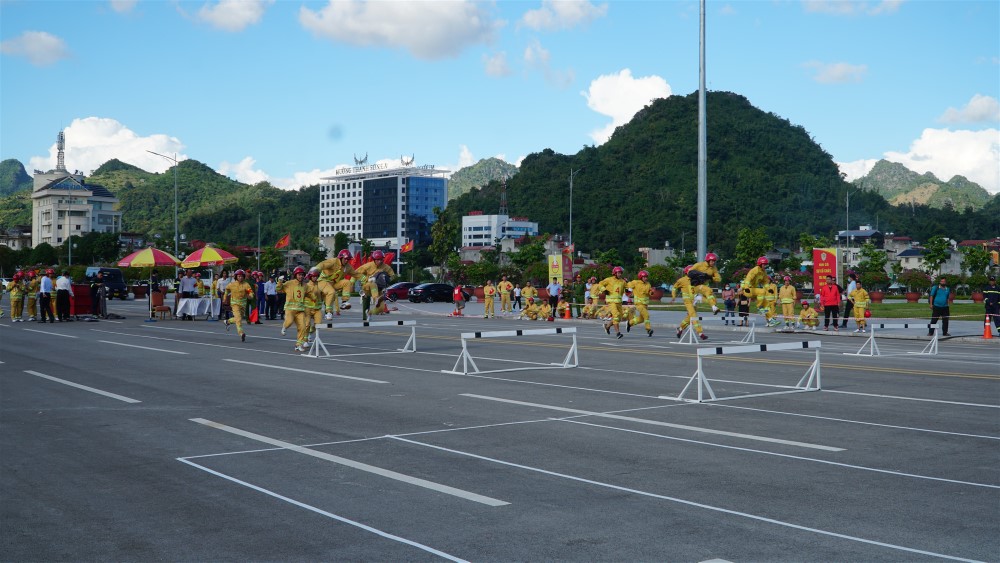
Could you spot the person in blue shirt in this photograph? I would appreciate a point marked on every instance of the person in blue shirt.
(939, 306)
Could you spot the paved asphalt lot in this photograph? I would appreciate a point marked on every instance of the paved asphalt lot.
(134, 441)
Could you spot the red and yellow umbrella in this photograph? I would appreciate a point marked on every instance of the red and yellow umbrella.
(148, 257)
(208, 256)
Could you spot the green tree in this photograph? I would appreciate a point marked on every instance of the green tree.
(44, 253)
(872, 259)
(271, 259)
(609, 256)
(975, 259)
(444, 236)
(529, 254)
(752, 244)
(935, 253)
(340, 241)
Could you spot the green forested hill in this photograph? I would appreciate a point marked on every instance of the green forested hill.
(478, 175)
(902, 186)
(640, 188)
(13, 177)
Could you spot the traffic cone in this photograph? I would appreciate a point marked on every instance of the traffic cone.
(987, 331)
(566, 314)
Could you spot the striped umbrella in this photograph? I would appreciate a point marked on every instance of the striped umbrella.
(208, 256)
(148, 257)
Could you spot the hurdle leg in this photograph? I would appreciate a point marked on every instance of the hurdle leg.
(317, 345)
(571, 356)
(411, 344)
(750, 337)
(811, 380)
(465, 359)
(870, 344)
(932, 347)
(702, 382)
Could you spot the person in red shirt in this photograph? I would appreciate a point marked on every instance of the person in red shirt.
(829, 298)
(459, 298)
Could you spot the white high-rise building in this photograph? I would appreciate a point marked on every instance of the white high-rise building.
(483, 230)
(388, 206)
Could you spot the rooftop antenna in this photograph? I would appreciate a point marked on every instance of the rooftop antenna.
(503, 196)
(61, 147)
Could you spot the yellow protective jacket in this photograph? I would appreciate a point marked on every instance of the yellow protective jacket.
(710, 270)
(333, 270)
(369, 269)
(756, 276)
(295, 295)
(640, 290)
(237, 293)
(505, 287)
(860, 297)
(528, 291)
(808, 313)
(489, 291)
(15, 289)
(683, 285)
(786, 294)
(312, 298)
(615, 288)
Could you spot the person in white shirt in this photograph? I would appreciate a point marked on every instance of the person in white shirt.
(64, 290)
(45, 291)
(852, 284)
(271, 298)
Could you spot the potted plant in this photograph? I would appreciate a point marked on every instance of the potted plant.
(976, 283)
(876, 282)
(916, 282)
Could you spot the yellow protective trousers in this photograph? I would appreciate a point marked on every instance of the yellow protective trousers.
(788, 311)
(17, 306)
(505, 302)
(488, 307)
(298, 318)
(859, 314)
(708, 296)
(31, 305)
(238, 310)
(313, 316)
(641, 316)
(692, 317)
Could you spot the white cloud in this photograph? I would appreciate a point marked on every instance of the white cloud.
(243, 171)
(980, 109)
(496, 65)
(39, 47)
(123, 6)
(946, 153)
(563, 14)
(851, 7)
(428, 30)
(836, 73)
(233, 15)
(620, 96)
(465, 157)
(538, 57)
(92, 141)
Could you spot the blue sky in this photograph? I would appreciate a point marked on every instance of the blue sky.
(287, 91)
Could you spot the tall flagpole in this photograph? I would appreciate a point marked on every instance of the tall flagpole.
(702, 147)
(258, 242)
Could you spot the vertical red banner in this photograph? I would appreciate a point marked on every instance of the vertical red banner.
(824, 264)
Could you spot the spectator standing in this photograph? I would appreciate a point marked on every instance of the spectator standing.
(260, 288)
(743, 305)
(829, 298)
(45, 291)
(554, 289)
(992, 301)
(271, 298)
(579, 295)
(95, 294)
(64, 290)
(940, 294)
(220, 290)
(517, 299)
(852, 284)
(729, 299)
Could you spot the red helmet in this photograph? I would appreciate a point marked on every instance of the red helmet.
(239, 273)
(197, 274)
(804, 302)
(378, 255)
(643, 274)
(31, 273)
(686, 270)
(313, 272)
(617, 270)
(531, 300)
(17, 276)
(762, 261)
(50, 272)
(787, 278)
(711, 256)
(344, 254)
(592, 279)
(298, 270)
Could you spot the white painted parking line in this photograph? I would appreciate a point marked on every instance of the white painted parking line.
(659, 423)
(84, 387)
(304, 371)
(47, 333)
(325, 513)
(357, 465)
(880, 396)
(686, 502)
(142, 347)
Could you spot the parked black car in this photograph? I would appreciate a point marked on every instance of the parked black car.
(431, 292)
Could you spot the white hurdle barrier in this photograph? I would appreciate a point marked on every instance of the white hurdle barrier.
(570, 361)
(809, 382)
(930, 350)
(317, 345)
(690, 336)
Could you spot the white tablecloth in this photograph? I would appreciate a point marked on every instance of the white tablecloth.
(198, 307)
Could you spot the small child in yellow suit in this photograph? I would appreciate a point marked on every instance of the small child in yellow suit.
(808, 317)
(489, 299)
(861, 300)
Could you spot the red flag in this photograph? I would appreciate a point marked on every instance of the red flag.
(389, 256)
(356, 261)
(254, 316)
(406, 247)
(284, 241)
(569, 249)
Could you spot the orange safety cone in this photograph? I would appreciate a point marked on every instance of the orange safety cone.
(987, 331)
(566, 314)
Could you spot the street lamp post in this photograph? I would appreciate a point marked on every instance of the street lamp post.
(572, 173)
(176, 230)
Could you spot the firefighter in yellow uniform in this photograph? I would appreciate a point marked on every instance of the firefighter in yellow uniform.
(640, 290)
(752, 282)
(295, 306)
(530, 311)
(861, 300)
(683, 285)
(615, 286)
(544, 310)
(505, 287)
(489, 296)
(236, 295)
(313, 300)
(16, 290)
(199, 285)
(808, 317)
(771, 304)
(34, 283)
(366, 273)
(529, 291)
(562, 307)
(335, 277)
(699, 282)
(786, 296)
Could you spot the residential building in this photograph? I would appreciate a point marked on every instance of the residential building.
(63, 204)
(388, 206)
(479, 230)
(17, 237)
